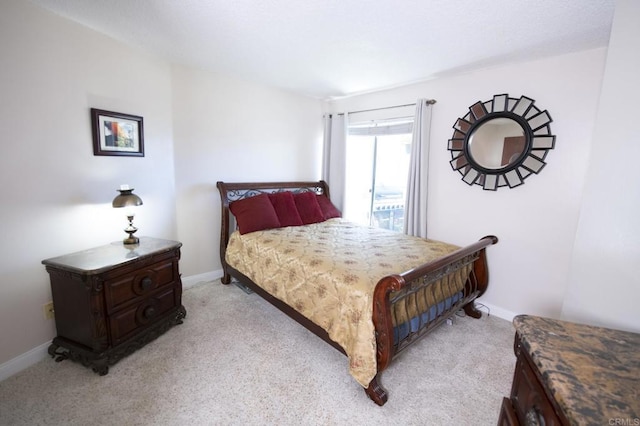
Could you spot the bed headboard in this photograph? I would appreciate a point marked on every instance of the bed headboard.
(234, 191)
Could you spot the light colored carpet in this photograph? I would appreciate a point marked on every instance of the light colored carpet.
(238, 360)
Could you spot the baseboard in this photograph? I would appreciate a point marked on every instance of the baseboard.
(495, 310)
(27, 359)
(188, 282)
(37, 354)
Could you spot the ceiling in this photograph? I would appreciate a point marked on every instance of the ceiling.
(334, 48)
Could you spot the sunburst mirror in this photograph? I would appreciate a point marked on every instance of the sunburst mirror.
(501, 142)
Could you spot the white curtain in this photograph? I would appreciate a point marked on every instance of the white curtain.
(334, 156)
(416, 202)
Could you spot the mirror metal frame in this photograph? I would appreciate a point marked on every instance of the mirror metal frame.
(538, 141)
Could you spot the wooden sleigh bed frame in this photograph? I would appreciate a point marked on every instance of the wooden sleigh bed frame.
(393, 289)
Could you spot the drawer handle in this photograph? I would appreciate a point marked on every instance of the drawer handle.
(149, 311)
(146, 283)
(534, 418)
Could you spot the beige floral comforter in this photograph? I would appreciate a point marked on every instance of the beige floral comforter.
(328, 272)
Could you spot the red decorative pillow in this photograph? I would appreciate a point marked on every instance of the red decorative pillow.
(254, 214)
(285, 207)
(308, 207)
(328, 209)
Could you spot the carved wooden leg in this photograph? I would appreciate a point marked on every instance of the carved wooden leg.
(376, 392)
(52, 350)
(101, 367)
(471, 310)
(180, 315)
(58, 353)
(226, 278)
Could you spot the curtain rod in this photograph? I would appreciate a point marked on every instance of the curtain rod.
(429, 102)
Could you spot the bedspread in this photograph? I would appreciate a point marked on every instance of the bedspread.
(328, 272)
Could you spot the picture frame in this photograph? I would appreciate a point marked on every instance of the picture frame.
(117, 134)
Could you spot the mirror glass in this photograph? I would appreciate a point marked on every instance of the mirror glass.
(497, 143)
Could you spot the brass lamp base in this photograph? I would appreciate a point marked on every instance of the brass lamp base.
(131, 240)
(131, 230)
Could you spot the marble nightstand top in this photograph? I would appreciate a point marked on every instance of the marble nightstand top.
(593, 373)
(99, 259)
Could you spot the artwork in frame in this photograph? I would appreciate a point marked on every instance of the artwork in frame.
(117, 134)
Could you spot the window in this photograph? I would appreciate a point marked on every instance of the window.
(378, 154)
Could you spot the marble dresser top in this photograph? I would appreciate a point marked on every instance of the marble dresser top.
(593, 373)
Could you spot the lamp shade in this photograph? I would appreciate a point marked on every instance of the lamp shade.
(126, 198)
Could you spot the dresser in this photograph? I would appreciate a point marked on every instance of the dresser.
(111, 300)
(573, 374)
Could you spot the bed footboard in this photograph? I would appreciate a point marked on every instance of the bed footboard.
(408, 306)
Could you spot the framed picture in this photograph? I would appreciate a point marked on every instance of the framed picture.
(117, 134)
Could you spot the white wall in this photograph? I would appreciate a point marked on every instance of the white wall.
(55, 193)
(536, 222)
(604, 286)
(226, 129)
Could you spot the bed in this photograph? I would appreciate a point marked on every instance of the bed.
(369, 293)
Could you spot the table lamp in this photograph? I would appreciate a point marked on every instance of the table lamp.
(128, 199)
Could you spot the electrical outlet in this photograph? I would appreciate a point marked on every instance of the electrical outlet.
(47, 310)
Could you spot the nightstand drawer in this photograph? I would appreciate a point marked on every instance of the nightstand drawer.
(129, 321)
(127, 289)
(530, 401)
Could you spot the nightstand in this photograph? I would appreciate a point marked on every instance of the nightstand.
(111, 300)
